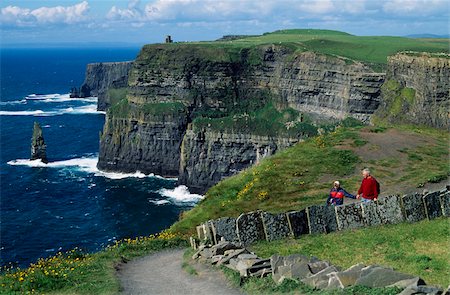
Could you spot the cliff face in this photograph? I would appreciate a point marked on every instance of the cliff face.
(100, 77)
(417, 90)
(207, 157)
(157, 127)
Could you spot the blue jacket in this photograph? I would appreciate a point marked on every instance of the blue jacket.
(336, 196)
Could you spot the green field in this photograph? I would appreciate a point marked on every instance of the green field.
(372, 50)
(421, 248)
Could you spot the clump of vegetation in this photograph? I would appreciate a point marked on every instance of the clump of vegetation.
(419, 248)
(266, 121)
(78, 272)
(117, 94)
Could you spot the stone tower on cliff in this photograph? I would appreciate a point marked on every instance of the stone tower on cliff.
(38, 147)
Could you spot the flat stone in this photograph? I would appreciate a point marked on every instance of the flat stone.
(414, 207)
(321, 219)
(247, 256)
(295, 258)
(229, 254)
(419, 290)
(381, 277)
(225, 228)
(408, 283)
(216, 258)
(250, 228)
(221, 247)
(206, 253)
(432, 205)
(275, 262)
(244, 264)
(196, 254)
(320, 279)
(298, 222)
(276, 226)
(345, 278)
(445, 203)
(318, 266)
(296, 271)
(349, 216)
(262, 273)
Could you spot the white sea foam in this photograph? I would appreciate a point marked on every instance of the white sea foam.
(87, 109)
(12, 102)
(180, 194)
(159, 202)
(85, 164)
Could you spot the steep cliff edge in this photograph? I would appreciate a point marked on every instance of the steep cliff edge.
(105, 80)
(200, 112)
(417, 90)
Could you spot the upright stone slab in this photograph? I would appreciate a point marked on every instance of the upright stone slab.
(224, 228)
(249, 228)
(298, 222)
(432, 205)
(207, 232)
(349, 216)
(445, 203)
(200, 233)
(413, 207)
(276, 226)
(384, 211)
(370, 214)
(321, 219)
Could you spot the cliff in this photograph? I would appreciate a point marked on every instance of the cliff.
(200, 112)
(417, 90)
(105, 80)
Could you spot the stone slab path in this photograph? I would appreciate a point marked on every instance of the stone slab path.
(161, 273)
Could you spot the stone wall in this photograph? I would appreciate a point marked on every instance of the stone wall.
(259, 225)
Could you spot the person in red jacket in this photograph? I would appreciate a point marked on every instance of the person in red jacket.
(369, 187)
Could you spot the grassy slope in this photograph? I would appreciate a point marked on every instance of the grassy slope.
(75, 272)
(368, 49)
(420, 248)
(301, 175)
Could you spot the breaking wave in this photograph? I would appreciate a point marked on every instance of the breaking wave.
(85, 164)
(180, 194)
(87, 109)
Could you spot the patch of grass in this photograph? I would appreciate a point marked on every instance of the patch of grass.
(186, 265)
(267, 286)
(266, 121)
(419, 248)
(117, 94)
(76, 272)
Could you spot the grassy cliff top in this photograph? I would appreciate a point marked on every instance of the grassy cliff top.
(372, 50)
(402, 159)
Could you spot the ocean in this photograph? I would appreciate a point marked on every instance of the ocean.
(67, 203)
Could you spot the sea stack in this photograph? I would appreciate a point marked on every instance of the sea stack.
(38, 147)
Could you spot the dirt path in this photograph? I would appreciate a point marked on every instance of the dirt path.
(161, 273)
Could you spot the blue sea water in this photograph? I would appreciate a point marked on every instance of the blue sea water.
(67, 203)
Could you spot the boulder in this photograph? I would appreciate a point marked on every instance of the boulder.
(276, 226)
(432, 205)
(414, 207)
(380, 277)
(250, 228)
(349, 216)
(298, 223)
(216, 258)
(243, 264)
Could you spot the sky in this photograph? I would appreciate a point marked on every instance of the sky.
(141, 22)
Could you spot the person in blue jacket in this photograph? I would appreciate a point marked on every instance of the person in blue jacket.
(337, 195)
